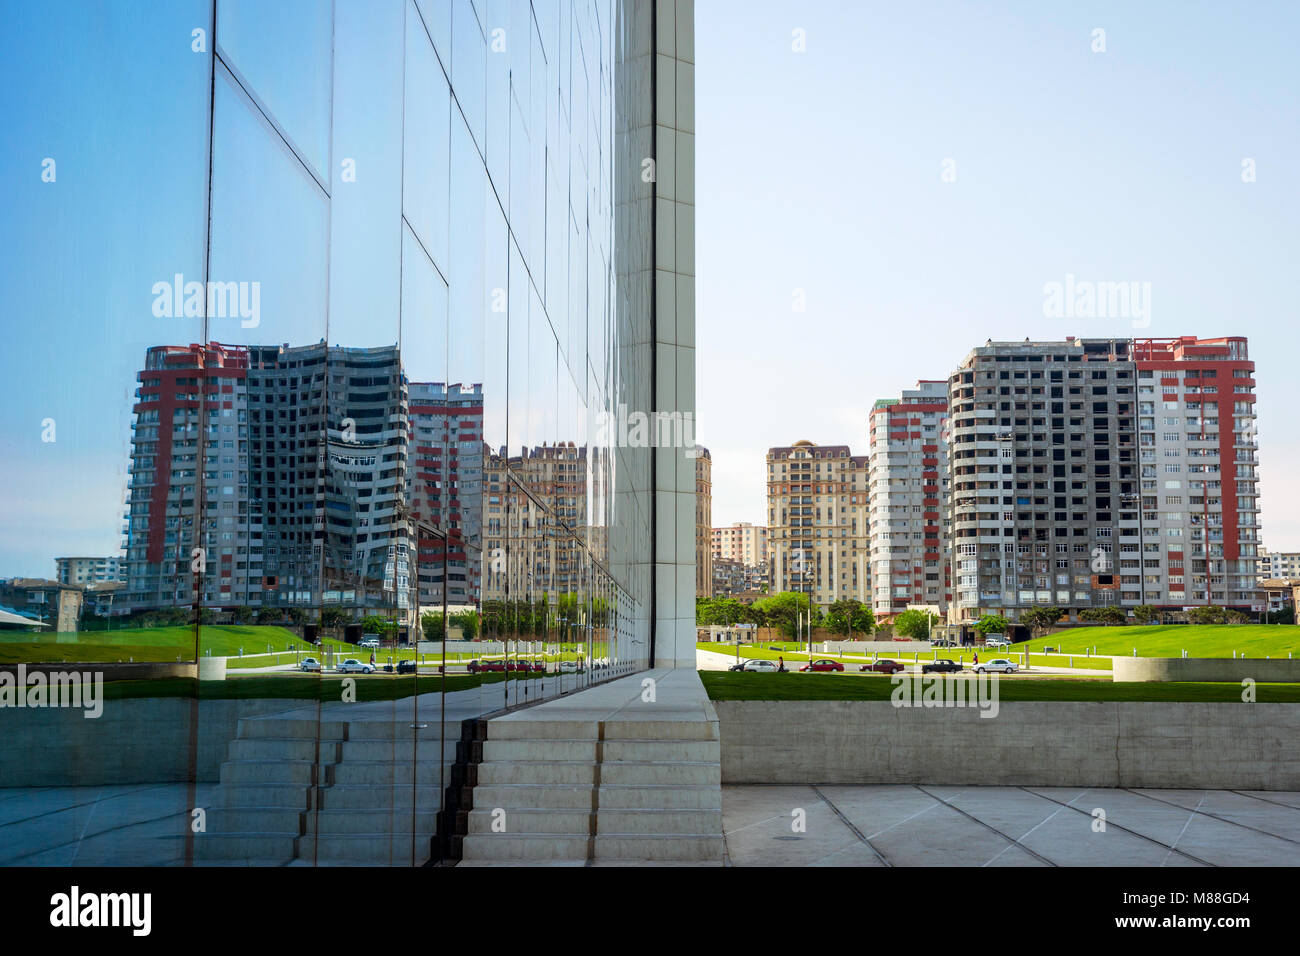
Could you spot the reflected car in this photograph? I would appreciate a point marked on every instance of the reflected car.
(998, 665)
(882, 667)
(369, 642)
(354, 666)
(760, 667)
(309, 664)
(823, 665)
(406, 667)
(942, 666)
(570, 667)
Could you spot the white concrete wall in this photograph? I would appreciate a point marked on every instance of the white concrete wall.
(1049, 744)
(674, 556)
(1225, 669)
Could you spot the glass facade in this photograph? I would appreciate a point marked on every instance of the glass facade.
(329, 306)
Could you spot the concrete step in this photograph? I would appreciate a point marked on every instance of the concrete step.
(283, 748)
(508, 846)
(376, 848)
(238, 820)
(397, 750)
(542, 796)
(695, 751)
(399, 728)
(360, 821)
(507, 729)
(659, 847)
(658, 822)
(638, 797)
(540, 749)
(288, 796)
(659, 730)
(379, 797)
(243, 846)
(293, 728)
(530, 821)
(430, 773)
(302, 772)
(659, 773)
(536, 771)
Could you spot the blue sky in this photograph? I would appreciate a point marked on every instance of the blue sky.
(817, 171)
(821, 171)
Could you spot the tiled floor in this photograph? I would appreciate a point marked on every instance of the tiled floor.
(1008, 826)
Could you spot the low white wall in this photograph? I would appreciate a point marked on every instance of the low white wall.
(1047, 744)
(1220, 669)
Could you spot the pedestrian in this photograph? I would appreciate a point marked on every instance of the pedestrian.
(977, 657)
(780, 662)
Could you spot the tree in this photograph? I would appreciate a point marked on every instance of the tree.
(1103, 615)
(296, 614)
(269, 615)
(377, 624)
(1144, 614)
(1233, 616)
(1210, 614)
(1041, 617)
(333, 617)
(781, 610)
(915, 623)
(242, 615)
(992, 624)
(850, 616)
(467, 621)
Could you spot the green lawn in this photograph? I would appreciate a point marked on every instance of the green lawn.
(1170, 640)
(725, 685)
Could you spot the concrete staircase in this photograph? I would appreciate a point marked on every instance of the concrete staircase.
(642, 784)
(333, 793)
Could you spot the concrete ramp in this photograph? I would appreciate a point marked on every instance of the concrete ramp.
(627, 773)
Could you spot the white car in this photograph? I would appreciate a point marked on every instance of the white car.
(354, 666)
(570, 667)
(309, 664)
(761, 666)
(369, 642)
(997, 665)
(997, 642)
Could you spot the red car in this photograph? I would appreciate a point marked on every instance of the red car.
(882, 667)
(823, 665)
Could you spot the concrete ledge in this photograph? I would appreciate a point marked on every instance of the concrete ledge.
(1056, 744)
(1219, 669)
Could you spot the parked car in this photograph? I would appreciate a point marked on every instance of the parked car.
(996, 642)
(759, 667)
(883, 667)
(942, 666)
(370, 642)
(997, 665)
(738, 667)
(309, 664)
(823, 665)
(570, 667)
(406, 667)
(354, 666)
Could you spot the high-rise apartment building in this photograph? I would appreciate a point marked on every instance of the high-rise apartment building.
(909, 493)
(1282, 565)
(703, 521)
(90, 570)
(1096, 472)
(817, 512)
(741, 542)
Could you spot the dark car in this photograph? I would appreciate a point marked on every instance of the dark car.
(823, 665)
(406, 667)
(943, 666)
(882, 667)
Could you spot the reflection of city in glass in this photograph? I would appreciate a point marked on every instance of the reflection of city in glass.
(353, 283)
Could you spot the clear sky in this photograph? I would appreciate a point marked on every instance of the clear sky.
(822, 171)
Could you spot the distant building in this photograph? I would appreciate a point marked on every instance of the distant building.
(45, 602)
(817, 506)
(1278, 564)
(742, 542)
(703, 521)
(90, 570)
